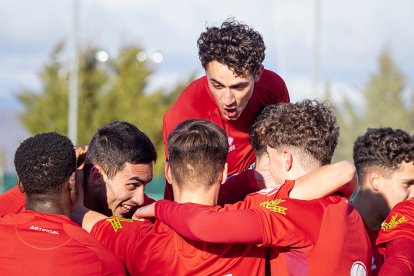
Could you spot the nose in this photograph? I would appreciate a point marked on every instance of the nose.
(228, 97)
(138, 196)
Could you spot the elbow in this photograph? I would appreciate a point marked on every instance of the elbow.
(348, 169)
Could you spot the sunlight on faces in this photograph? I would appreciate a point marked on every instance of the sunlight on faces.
(125, 190)
(232, 93)
(398, 185)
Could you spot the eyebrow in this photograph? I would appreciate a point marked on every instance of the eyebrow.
(140, 180)
(243, 83)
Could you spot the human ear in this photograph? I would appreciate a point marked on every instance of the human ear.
(288, 159)
(167, 172)
(96, 177)
(258, 73)
(374, 181)
(20, 185)
(224, 174)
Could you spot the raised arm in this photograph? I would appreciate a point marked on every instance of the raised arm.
(339, 177)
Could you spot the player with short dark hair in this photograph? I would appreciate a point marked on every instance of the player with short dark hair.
(232, 92)
(384, 158)
(118, 165)
(42, 240)
(299, 138)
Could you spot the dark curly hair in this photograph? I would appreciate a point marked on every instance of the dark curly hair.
(310, 126)
(197, 151)
(234, 44)
(385, 148)
(115, 144)
(44, 163)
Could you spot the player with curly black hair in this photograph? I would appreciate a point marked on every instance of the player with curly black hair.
(42, 240)
(43, 163)
(384, 158)
(235, 87)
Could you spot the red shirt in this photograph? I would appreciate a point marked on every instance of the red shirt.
(196, 102)
(396, 240)
(46, 244)
(318, 237)
(377, 257)
(12, 201)
(155, 249)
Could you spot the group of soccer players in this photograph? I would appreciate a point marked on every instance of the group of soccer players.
(250, 188)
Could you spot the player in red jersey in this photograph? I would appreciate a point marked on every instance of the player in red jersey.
(42, 240)
(196, 168)
(118, 165)
(234, 89)
(384, 158)
(320, 237)
(396, 240)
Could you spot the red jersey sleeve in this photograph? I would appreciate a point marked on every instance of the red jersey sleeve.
(206, 224)
(399, 259)
(12, 201)
(283, 222)
(399, 224)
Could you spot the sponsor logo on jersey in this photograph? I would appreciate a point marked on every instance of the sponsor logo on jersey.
(393, 223)
(40, 229)
(231, 145)
(273, 206)
(116, 222)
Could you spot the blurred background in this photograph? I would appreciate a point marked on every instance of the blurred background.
(134, 57)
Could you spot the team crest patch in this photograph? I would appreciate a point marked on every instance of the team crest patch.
(393, 223)
(273, 206)
(116, 222)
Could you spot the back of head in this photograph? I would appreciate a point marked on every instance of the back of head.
(118, 143)
(308, 126)
(197, 153)
(234, 44)
(383, 148)
(44, 163)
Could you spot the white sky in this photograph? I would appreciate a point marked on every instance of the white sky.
(352, 35)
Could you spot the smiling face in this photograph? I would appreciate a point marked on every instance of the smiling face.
(125, 190)
(232, 93)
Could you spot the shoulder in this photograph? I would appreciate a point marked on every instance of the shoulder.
(195, 94)
(270, 89)
(398, 224)
(195, 102)
(270, 82)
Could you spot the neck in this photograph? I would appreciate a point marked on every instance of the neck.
(369, 209)
(200, 196)
(299, 170)
(43, 204)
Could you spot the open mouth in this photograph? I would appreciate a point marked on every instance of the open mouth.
(231, 112)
